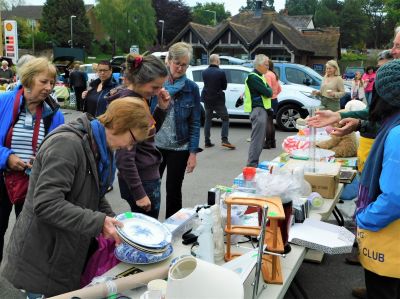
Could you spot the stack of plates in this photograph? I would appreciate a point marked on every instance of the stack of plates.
(145, 239)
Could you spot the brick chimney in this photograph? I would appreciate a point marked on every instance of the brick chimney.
(258, 10)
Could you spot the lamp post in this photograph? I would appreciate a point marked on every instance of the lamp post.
(215, 15)
(162, 33)
(72, 43)
(33, 36)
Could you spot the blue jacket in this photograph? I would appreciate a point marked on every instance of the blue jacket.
(386, 208)
(6, 118)
(187, 110)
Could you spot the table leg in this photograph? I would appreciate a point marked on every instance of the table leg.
(338, 216)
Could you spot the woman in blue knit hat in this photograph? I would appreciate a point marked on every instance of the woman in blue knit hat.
(378, 205)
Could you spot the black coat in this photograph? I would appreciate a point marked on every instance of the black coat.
(214, 85)
(77, 79)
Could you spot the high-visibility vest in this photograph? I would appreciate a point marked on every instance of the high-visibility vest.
(247, 95)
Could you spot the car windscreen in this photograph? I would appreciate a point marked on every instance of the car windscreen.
(312, 72)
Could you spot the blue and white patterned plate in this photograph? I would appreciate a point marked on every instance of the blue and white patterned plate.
(131, 255)
(141, 248)
(144, 230)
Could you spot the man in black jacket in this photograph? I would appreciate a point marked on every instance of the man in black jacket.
(78, 81)
(213, 97)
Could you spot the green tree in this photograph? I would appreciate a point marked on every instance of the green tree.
(205, 13)
(392, 7)
(251, 5)
(327, 13)
(375, 11)
(56, 22)
(24, 32)
(301, 7)
(354, 24)
(128, 22)
(175, 14)
(8, 4)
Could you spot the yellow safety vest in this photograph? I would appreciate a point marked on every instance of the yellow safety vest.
(247, 95)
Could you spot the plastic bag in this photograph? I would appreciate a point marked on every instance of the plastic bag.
(102, 260)
(287, 185)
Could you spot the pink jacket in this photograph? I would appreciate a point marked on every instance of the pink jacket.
(273, 83)
(369, 81)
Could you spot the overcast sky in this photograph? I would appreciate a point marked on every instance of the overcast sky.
(231, 5)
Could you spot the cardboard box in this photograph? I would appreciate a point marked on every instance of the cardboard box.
(325, 180)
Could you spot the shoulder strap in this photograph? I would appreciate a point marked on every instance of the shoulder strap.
(17, 103)
(36, 129)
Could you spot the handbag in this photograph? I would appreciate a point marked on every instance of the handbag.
(16, 182)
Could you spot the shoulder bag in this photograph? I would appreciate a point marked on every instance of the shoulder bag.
(16, 182)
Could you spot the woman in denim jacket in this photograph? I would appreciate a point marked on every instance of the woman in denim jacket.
(178, 138)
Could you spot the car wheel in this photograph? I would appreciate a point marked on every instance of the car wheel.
(287, 116)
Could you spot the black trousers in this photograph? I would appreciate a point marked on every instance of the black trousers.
(381, 287)
(175, 162)
(78, 95)
(5, 211)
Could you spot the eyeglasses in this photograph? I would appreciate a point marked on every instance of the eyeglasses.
(103, 71)
(181, 65)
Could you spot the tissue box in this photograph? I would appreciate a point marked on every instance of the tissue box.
(325, 180)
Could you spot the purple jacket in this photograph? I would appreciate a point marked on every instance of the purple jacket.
(142, 162)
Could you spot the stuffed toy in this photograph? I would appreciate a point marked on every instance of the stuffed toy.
(344, 147)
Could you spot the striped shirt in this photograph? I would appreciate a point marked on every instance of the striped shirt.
(21, 141)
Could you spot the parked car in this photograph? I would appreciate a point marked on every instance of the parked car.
(116, 62)
(291, 100)
(350, 72)
(230, 60)
(293, 73)
(88, 69)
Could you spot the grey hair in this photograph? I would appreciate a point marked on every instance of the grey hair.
(397, 30)
(4, 62)
(214, 58)
(385, 54)
(24, 59)
(259, 60)
(179, 50)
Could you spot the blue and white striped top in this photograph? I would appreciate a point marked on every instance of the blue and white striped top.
(21, 141)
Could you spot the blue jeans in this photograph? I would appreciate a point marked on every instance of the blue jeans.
(368, 97)
(152, 189)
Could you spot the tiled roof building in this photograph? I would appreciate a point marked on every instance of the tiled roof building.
(281, 37)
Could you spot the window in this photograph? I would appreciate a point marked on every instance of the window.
(236, 76)
(296, 76)
(277, 71)
(197, 77)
